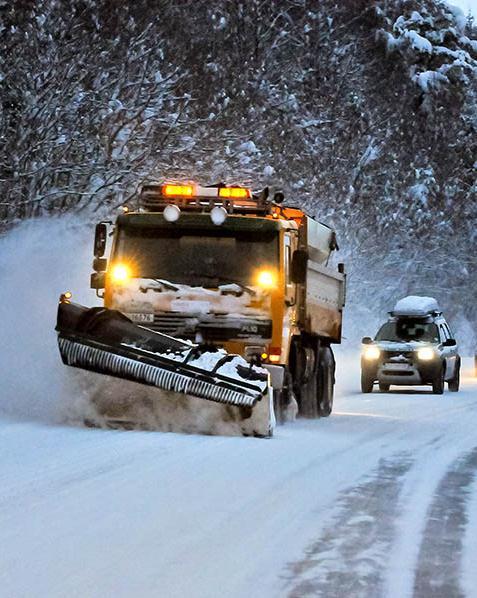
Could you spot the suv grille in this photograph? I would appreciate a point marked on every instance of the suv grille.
(388, 355)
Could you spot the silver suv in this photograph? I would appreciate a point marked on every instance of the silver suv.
(414, 347)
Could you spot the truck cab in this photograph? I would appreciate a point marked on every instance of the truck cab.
(222, 266)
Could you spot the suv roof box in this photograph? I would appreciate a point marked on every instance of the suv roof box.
(415, 306)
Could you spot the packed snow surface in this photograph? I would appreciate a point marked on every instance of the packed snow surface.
(415, 306)
(381, 497)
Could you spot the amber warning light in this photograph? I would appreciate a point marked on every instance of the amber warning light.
(234, 192)
(178, 190)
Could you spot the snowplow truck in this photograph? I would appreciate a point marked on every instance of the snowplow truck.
(222, 287)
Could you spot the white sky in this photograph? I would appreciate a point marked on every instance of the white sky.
(466, 5)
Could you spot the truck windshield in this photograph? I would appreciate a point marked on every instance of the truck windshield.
(408, 330)
(197, 257)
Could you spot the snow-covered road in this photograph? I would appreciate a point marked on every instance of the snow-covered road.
(378, 500)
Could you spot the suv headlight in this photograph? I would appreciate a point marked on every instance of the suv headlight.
(426, 354)
(371, 353)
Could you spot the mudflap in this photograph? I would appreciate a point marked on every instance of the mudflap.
(165, 384)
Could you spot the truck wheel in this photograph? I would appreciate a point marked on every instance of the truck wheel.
(453, 384)
(367, 382)
(326, 382)
(309, 398)
(303, 367)
(438, 382)
(383, 387)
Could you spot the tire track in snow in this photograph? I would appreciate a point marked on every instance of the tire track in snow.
(351, 556)
(438, 569)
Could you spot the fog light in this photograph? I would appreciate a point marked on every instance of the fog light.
(218, 215)
(171, 213)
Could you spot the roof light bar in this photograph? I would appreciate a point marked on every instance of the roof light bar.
(234, 192)
(178, 190)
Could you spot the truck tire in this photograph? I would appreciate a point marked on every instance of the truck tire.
(303, 367)
(309, 398)
(367, 382)
(438, 382)
(326, 381)
(454, 383)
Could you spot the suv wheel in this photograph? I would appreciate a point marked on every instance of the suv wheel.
(366, 382)
(438, 383)
(383, 387)
(453, 384)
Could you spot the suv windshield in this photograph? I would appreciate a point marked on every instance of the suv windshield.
(408, 330)
(197, 257)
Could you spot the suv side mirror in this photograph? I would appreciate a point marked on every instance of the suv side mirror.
(100, 236)
(450, 342)
(367, 340)
(298, 266)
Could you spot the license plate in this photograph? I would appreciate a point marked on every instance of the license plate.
(141, 318)
(190, 307)
(401, 367)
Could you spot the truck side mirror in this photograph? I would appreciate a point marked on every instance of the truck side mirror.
(98, 280)
(367, 340)
(100, 236)
(298, 267)
(100, 264)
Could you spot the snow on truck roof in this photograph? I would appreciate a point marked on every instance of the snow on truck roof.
(414, 305)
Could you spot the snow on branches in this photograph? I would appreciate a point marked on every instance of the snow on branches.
(430, 38)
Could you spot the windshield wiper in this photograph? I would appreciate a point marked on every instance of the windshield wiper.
(164, 283)
(225, 280)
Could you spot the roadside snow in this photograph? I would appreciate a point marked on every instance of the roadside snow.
(469, 577)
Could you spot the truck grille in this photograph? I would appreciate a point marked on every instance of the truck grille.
(217, 328)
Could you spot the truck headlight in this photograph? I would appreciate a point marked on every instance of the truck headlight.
(120, 273)
(267, 279)
(426, 354)
(371, 353)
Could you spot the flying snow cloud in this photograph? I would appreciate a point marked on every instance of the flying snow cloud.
(39, 260)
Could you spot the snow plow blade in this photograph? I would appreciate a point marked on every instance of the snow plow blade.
(107, 342)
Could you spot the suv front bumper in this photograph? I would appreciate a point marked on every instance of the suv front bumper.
(408, 373)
